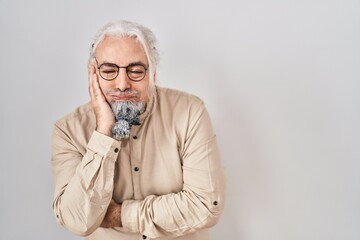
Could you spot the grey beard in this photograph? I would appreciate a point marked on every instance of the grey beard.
(126, 114)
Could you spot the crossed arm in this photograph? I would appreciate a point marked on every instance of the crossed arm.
(84, 184)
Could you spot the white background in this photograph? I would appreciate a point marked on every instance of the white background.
(280, 79)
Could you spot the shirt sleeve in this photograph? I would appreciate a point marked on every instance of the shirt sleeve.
(200, 202)
(83, 182)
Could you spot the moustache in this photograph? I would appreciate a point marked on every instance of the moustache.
(127, 93)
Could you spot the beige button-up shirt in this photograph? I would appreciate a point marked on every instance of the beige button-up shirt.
(168, 175)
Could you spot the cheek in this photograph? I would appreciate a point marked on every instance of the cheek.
(105, 85)
(144, 89)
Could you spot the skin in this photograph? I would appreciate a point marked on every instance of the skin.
(122, 51)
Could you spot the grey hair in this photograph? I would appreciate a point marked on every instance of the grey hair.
(143, 35)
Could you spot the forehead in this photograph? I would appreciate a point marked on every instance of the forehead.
(120, 50)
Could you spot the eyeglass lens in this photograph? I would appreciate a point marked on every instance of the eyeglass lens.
(134, 72)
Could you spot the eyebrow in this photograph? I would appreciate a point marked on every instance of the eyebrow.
(130, 64)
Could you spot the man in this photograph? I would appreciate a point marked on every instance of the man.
(138, 161)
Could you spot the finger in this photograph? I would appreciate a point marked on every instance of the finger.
(91, 86)
(96, 87)
(91, 71)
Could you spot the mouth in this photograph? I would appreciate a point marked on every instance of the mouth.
(119, 98)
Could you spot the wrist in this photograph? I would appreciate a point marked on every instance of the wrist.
(104, 130)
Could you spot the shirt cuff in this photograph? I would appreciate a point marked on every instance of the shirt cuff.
(130, 215)
(102, 144)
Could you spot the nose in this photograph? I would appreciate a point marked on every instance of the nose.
(122, 81)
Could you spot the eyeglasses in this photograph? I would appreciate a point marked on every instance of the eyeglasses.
(109, 71)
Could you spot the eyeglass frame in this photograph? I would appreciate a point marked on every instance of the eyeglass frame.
(118, 71)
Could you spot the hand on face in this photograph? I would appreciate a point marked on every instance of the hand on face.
(105, 118)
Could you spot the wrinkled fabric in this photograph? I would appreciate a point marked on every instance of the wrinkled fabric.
(168, 175)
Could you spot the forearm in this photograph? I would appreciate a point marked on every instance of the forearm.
(197, 206)
(200, 202)
(82, 198)
(113, 216)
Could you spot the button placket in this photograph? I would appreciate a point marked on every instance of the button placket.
(135, 162)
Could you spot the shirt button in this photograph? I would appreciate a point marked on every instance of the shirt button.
(135, 137)
(136, 169)
(215, 203)
(144, 237)
(116, 150)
